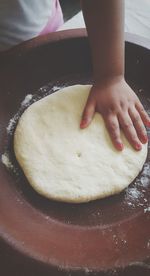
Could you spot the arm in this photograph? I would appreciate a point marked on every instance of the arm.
(110, 94)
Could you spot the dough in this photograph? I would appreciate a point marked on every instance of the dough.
(66, 163)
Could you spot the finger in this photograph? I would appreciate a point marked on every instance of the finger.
(129, 130)
(144, 116)
(112, 125)
(139, 125)
(88, 114)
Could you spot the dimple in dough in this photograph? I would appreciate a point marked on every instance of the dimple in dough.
(66, 163)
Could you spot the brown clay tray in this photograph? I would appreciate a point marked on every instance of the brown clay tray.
(42, 237)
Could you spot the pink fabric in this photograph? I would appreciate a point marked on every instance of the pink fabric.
(56, 19)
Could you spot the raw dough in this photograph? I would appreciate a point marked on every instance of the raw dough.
(65, 163)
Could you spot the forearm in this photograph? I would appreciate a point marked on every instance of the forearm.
(104, 20)
(110, 95)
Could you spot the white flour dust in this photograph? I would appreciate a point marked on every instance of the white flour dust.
(135, 196)
(15, 118)
(6, 160)
(146, 210)
(27, 100)
(12, 124)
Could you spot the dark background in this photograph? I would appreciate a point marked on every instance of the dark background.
(70, 8)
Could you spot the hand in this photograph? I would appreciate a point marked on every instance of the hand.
(120, 108)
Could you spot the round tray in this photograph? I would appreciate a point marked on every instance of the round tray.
(43, 237)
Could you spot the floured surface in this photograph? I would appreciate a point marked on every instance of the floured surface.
(65, 163)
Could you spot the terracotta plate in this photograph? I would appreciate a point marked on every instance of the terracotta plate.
(43, 237)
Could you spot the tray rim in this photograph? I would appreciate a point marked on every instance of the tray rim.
(66, 35)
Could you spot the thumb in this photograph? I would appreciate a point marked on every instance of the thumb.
(88, 114)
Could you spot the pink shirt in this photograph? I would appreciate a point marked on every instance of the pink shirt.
(21, 20)
(56, 19)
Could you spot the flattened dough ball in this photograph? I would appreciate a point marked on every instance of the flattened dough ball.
(66, 163)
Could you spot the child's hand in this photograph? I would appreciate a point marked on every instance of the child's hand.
(120, 108)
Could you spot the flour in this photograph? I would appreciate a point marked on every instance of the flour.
(26, 100)
(6, 160)
(14, 119)
(134, 195)
(141, 90)
(146, 210)
(12, 124)
(148, 244)
(56, 88)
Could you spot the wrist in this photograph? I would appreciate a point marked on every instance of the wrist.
(107, 80)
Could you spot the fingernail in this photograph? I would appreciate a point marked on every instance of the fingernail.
(144, 138)
(83, 123)
(138, 146)
(120, 146)
(148, 123)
